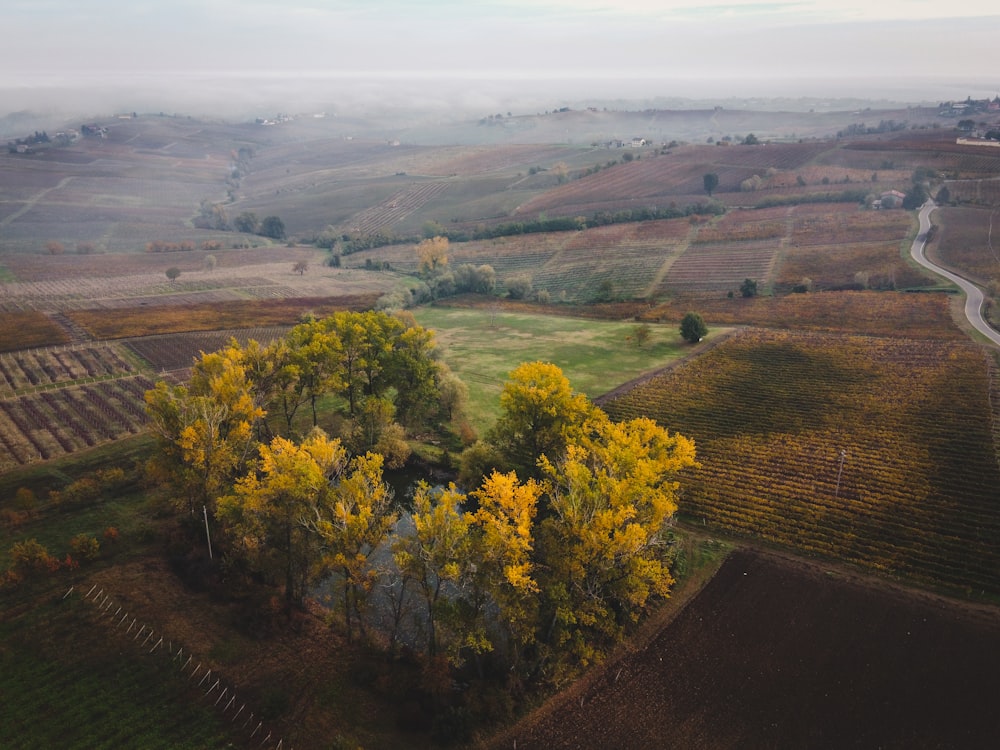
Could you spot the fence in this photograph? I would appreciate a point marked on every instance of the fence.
(201, 676)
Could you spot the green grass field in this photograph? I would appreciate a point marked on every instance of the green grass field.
(61, 687)
(483, 346)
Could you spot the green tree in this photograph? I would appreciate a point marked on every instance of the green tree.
(314, 367)
(641, 334)
(748, 288)
(173, 273)
(375, 429)
(247, 222)
(273, 227)
(711, 182)
(916, 196)
(693, 328)
(519, 286)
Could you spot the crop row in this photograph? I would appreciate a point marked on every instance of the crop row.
(875, 450)
(395, 208)
(59, 365)
(871, 313)
(720, 267)
(859, 226)
(55, 422)
(177, 351)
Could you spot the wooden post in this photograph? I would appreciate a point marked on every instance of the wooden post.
(207, 535)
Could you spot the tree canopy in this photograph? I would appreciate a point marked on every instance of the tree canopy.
(693, 328)
(711, 182)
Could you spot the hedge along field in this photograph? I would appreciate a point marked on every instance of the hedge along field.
(914, 491)
(482, 346)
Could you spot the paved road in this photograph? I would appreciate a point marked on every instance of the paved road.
(973, 294)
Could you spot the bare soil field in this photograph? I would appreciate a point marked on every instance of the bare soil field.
(777, 652)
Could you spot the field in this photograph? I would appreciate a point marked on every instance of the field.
(872, 313)
(482, 347)
(94, 701)
(877, 451)
(775, 652)
(969, 240)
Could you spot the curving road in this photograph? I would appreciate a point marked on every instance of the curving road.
(973, 294)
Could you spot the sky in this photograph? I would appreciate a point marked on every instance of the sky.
(908, 50)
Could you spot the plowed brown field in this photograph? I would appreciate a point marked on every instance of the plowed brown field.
(777, 652)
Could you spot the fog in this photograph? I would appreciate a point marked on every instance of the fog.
(54, 100)
(452, 59)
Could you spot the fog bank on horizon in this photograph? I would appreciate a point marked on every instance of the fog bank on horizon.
(247, 95)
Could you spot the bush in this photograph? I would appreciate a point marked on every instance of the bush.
(693, 328)
(87, 548)
(31, 558)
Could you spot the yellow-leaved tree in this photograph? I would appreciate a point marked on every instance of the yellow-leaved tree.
(436, 557)
(269, 517)
(205, 430)
(433, 254)
(358, 518)
(505, 567)
(605, 540)
(540, 415)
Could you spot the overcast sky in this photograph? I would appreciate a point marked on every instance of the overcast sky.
(659, 47)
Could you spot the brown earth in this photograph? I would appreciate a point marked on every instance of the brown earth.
(777, 652)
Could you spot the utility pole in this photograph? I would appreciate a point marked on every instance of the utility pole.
(207, 535)
(843, 455)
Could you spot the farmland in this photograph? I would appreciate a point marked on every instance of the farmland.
(775, 652)
(857, 448)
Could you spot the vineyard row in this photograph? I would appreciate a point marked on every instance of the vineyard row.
(53, 423)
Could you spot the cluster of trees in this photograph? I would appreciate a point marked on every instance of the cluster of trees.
(438, 279)
(214, 216)
(563, 541)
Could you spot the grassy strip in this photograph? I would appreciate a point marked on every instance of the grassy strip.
(148, 321)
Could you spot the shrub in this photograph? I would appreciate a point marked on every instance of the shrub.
(87, 548)
(31, 558)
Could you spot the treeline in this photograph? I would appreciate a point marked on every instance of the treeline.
(561, 542)
(349, 243)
